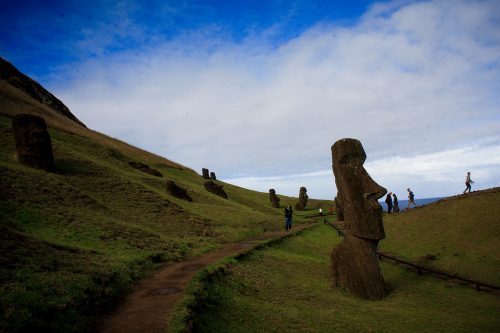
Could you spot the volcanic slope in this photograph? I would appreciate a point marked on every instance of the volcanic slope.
(457, 234)
(73, 241)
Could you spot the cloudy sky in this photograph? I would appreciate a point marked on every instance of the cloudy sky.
(258, 91)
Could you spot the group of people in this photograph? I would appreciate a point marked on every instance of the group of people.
(392, 201)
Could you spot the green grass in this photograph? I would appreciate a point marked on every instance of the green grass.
(286, 288)
(462, 233)
(74, 241)
(193, 300)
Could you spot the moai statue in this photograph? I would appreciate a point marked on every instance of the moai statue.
(339, 210)
(212, 187)
(177, 191)
(33, 144)
(354, 262)
(145, 168)
(204, 173)
(301, 205)
(275, 201)
(212, 176)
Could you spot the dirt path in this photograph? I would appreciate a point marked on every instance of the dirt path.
(147, 308)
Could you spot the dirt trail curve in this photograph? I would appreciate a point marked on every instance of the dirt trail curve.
(151, 302)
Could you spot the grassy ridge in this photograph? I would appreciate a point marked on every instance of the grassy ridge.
(460, 235)
(287, 289)
(73, 241)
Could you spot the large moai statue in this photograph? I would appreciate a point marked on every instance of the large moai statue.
(212, 176)
(204, 173)
(354, 262)
(33, 144)
(301, 205)
(275, 201)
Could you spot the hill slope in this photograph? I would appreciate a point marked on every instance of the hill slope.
(458, 234)
(287, 287)
(13, 77)
(72, 241)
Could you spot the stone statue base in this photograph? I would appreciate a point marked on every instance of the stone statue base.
(354, 266)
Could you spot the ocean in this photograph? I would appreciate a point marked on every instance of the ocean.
(404, 203)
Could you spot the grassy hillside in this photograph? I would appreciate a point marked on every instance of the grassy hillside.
(286, 288)
(73, 241)
(458, 235)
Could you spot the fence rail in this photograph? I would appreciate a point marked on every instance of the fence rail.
(477, 284)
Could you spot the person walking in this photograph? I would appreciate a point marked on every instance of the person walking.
(388, 201)
(288, 217)
(411, 198)
(395, 209)
(468, 183)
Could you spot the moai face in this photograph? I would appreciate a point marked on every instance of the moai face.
(358, 192)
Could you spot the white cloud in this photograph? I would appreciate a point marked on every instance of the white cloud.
(409, 80)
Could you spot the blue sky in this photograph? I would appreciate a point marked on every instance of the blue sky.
(258, 91)
(66, 31)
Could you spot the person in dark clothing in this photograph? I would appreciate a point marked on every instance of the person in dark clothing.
(288, 217)
(468, 183)
(411, 198)
(388, 201)
(395, 209)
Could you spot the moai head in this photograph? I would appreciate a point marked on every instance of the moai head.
(357, 191)
(275, 201)
(177, 191)
(215, 189)
(212, 176)
(204, 173)
(33, 144)
(301, 205)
